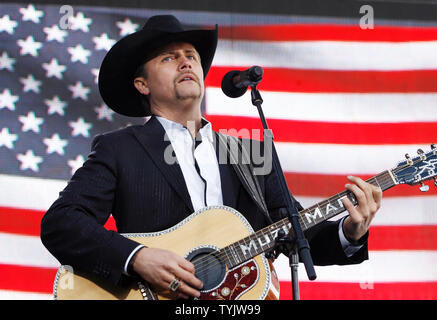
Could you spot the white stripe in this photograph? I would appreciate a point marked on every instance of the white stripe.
(25, 250)
(335, 107)
(341, 159)
(382, 266)
(19, 295)
(29, 193)
(395, 211)
(334, 55)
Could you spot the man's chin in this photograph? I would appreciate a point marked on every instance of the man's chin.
(188, 94)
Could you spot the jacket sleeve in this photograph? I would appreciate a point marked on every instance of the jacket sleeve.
(72, 229)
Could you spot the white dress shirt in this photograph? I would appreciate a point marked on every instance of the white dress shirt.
(200, 169)
(199, 163)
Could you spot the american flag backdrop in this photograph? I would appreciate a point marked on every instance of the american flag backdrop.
(340, 99)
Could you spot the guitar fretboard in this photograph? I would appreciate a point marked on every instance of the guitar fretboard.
(264, 240)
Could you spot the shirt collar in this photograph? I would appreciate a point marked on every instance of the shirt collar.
(205, 131)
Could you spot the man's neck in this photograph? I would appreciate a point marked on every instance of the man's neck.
(191, 118)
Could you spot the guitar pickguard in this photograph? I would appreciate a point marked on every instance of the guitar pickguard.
(237, 281)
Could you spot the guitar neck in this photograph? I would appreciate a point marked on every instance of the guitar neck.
(264, 240)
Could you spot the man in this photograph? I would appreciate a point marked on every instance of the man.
(159, 72)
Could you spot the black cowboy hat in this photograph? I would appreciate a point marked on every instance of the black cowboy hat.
(123, 59)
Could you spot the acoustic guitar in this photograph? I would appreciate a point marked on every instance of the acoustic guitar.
(229, 257)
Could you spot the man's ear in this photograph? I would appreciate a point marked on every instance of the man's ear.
(142, 86)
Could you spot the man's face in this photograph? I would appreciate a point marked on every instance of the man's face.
(174, 75)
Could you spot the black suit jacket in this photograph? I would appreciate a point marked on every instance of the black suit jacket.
(126, 175)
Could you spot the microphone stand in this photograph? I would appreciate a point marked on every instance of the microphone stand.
(300, 246)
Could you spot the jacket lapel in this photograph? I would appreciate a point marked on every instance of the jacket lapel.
(152, 137)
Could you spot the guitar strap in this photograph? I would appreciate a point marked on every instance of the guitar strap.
(244, 169)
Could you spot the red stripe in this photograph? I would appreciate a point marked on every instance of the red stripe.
(110, 224)
(403, 238)
(320, 185)
(40, 280)
(330, 132)
(365, 291)
(335, 81)
(21, 221)
(23, 278)
(328, 32)
(28, 222)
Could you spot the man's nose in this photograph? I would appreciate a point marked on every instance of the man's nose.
(185, 63)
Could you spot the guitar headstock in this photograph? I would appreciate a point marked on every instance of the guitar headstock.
(416, 170)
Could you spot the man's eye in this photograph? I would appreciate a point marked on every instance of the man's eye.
(192, 57)
(166, 59)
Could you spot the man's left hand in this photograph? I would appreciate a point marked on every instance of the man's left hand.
(369, 198)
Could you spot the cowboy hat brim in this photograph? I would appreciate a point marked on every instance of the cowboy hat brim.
(123, 59)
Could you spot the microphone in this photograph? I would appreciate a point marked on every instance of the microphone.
(235, 82)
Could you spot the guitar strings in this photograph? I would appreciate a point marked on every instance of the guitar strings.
(218, 257)
(385, 181)
(209, 260)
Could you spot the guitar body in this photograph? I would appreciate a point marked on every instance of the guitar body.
(200, 235)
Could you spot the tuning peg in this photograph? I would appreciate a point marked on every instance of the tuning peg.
(409, 161)
(423, 187)
(433, 146)
(421, 153)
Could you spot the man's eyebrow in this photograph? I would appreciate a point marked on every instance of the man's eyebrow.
(173, 52)
(192, 51)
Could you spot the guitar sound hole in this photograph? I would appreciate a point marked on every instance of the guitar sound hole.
(209, 267)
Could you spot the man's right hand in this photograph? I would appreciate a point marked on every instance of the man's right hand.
(160, 267)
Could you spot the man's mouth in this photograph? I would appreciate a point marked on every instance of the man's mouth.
(187, 77)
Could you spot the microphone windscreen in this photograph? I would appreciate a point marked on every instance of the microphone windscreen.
(228, 86)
